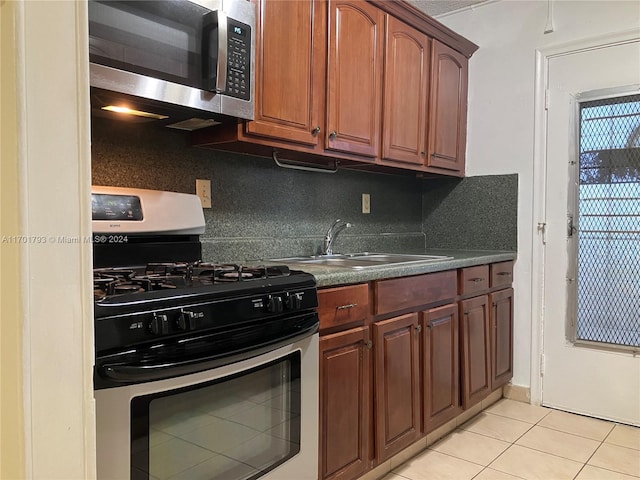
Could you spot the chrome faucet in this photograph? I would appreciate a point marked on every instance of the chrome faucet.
(332, 234)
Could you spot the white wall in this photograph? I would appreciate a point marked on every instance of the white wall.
(45, 195)
(501, 110)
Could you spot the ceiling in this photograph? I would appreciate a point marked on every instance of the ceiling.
(439, 7)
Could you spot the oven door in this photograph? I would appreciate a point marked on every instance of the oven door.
(256, 418)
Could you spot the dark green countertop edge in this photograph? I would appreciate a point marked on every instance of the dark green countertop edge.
(334, 276)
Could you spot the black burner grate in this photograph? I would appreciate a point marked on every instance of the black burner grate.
(165, 276)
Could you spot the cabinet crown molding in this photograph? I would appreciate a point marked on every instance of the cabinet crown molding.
(426, 24)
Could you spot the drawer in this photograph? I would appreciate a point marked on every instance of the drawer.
(473, 279)
(501, 274)
(343, 306)
(408, 292)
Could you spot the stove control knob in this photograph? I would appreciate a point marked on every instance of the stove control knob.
(159, 324)
(293, 301)
(274, 304)
(187, 321)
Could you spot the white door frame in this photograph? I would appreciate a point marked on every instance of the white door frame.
(538, 253)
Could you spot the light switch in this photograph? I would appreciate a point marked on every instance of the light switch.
(366, 203)
(203, 190)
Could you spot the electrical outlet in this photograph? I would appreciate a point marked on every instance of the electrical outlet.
(203, 190)
(366, 203)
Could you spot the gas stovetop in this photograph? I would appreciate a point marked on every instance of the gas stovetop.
(152, 292)
(164, 301)
(174, 278)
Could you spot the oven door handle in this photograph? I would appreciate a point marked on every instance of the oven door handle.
(127, 374)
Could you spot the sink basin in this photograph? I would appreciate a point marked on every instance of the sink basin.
(363, 260)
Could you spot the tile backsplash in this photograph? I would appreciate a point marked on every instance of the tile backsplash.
(475, 213)
(261, 210)
(264, 211)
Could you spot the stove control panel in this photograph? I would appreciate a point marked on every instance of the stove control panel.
(118, 330)
(280, 303)
(274, 304)
(159, 324)
(293, 301)
(188, 320)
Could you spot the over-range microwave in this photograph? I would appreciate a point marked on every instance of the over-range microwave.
(173, 56)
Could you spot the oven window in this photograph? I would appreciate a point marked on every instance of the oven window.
(236, 428)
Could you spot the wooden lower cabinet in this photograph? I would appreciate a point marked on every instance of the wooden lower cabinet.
(397, 384)
(386, 382)
(501, 337)
(344, 404)
(440, 366)
(475, 347)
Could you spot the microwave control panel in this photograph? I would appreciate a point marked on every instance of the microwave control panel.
(239, 60)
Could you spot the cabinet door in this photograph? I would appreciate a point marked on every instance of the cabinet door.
(475, 345)
(448, 109)
(344, 404)
(406, 87)
(354, 77)
(501, 337)
(440, 366)
(290, 63)
(397, 392)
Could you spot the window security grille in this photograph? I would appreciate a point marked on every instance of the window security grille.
(608, 274)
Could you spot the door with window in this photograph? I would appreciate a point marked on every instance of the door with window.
(590, 363)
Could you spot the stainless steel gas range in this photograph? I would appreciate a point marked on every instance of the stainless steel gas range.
(202, 370)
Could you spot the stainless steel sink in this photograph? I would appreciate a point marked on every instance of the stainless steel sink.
(363, 259)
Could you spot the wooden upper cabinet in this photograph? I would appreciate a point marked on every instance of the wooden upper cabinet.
(289, 76)
(354, 77)
(406, 93)
(326, 69)
(448, 108)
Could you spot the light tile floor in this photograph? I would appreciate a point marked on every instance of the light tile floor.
(514, 440)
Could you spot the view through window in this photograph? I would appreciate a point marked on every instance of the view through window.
(608, 223)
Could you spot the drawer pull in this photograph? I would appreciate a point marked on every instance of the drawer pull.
(504, 274)
(477, 279)
(347, 306)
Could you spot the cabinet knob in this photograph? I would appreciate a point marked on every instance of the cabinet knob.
(333, 135)
(368, 344)
(316, 130)
(418, 328)
(423, 153)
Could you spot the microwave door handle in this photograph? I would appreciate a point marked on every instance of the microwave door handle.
(215, 21)
(223, 59)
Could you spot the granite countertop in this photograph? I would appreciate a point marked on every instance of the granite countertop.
(333, 276)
